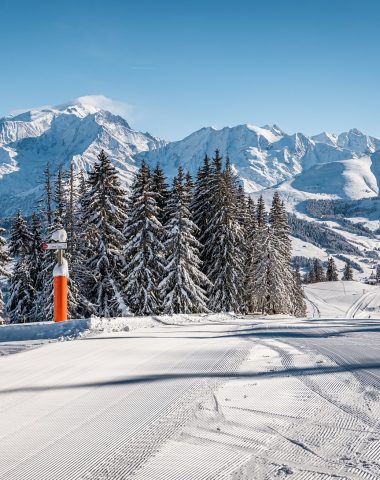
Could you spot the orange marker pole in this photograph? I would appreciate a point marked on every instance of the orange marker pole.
(60, 275)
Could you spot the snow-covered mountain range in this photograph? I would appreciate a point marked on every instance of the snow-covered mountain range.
(344, 167)
(339, 166)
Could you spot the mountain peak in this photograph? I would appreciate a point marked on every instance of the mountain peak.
(275, 129)
(355, 131)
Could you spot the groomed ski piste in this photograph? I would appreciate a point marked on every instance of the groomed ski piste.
(197, 396)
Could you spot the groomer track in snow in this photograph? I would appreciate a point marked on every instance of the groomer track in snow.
(179, 402)
(67, 408)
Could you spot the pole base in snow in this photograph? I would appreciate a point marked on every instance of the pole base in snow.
(60, 298)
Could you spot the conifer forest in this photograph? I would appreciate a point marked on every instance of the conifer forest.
(199, 245)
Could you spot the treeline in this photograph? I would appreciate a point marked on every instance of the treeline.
(319, 272)
(199, 246)
(341, 208)
(320, 236)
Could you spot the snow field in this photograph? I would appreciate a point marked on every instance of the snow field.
(304, 426)
(342, 299)
(67, 409)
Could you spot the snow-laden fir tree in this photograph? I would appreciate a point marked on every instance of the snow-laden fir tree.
(280, 229)
(143, 249)
(331, 272)
(250, 242)
(189, 183)
(183, 286)
(279, 222)
(71, 211)
(275, 289)
(206, 206)
(4, 273)
(103, 217)
(20, 236)
(347, 272)
(297, 276)
(78, 281)
(261, 214)
(35, 261)
(223, 239)
(161, 189)
(60, 198)
(258, 238)
(318, 274)
(21, 292)
(200, 206)
(270, 292)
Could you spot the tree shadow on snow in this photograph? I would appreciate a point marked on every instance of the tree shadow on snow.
(142, 379)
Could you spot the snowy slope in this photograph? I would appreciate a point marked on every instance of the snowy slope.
(233, 398)
(71, 132)
(342, 300)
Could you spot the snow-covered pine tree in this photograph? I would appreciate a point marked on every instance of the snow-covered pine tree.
(20, 300)
(207, 206)
(20, 236)
(250, 241)
(256, 287)
(223, 239)
(269, 292)
(331, 272)
(242, 206)
(297, 276)
(261, 214)
(347, 272)
(143, 249)
(161, 189)
(318, 274)
(200, 206)
(104, 217)
(60, 199)
(35, 260)
(189, 183)
(71, 211)
(274, 288)
(282, 242)
(183, 285)
(78, 305)
(4, 273)
(279, 222)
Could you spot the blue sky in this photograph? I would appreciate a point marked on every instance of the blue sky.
(174, 67)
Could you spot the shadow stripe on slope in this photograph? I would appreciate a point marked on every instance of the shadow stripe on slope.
(228, 375)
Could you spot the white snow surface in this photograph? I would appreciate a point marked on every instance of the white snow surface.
(201, 397)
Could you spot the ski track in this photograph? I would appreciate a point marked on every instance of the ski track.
(303, 427)
(197, 427)
(360, 304)
(76, 433)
